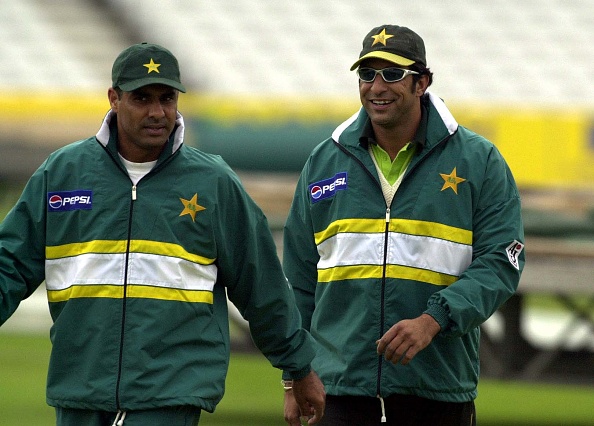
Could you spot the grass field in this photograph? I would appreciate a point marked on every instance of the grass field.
(254, 396)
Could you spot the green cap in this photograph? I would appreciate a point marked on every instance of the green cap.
(399, 45)
(143, 64)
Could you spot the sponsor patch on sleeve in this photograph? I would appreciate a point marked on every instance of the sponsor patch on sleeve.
(69, 200)
(327, 188)
(513, 253)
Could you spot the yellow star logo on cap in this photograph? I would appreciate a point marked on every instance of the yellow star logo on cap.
(152, 66)
(451, 181)
(381, 38)
(191, 207)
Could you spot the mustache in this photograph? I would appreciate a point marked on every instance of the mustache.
(155, 123)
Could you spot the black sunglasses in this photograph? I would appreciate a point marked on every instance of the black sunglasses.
(390, 75)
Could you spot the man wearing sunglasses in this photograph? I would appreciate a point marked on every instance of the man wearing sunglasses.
(404, 236)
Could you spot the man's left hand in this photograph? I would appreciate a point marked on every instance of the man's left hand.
(407, 338)
(310, 396)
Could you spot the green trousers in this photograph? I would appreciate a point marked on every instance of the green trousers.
(171, 416)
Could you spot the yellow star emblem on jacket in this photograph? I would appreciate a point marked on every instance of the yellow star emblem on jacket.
(191, 207)
(381, 38)
(152, 67)
(451, 181)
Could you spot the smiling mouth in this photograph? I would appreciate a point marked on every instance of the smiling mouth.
(381, 102)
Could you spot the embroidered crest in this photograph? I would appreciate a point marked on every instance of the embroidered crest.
(513, 253)
(451, 181)
(191, 207)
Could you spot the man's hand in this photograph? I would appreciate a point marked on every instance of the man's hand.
(306, 400)
(407, 338)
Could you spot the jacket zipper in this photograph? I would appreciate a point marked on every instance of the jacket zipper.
(385, 260)
(127, 256)
(382, 300)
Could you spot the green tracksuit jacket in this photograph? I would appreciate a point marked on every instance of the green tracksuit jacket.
(449, 245)
(138, 276)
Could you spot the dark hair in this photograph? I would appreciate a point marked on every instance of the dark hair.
(422, 70)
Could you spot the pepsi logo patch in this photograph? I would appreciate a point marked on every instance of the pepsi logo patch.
(327, 188)
(69, 200)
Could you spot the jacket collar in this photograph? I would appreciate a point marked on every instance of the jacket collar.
(176, 139)
(440, 123)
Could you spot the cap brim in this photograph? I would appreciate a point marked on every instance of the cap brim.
(380, 54)
(137, 84)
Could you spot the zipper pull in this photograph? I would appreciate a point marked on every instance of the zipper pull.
(388, 215)
(383, 418)
(133, 192)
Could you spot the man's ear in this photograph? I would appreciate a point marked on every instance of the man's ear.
(422, 84)
(113, 97)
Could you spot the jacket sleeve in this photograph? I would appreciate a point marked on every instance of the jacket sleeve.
(498, 256)
(22, 247)
(250, 269)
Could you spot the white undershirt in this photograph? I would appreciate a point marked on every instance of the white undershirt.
(136, 171)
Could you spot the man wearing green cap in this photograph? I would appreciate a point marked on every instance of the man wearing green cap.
(404, 236)
(140, 240)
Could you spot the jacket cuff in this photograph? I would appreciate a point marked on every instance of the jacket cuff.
(296, 375)
(440, 314)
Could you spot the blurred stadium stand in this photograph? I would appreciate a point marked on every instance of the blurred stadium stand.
(289, 60)
(67, 44)
(535, 51)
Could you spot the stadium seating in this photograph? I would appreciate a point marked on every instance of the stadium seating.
(535, 51)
